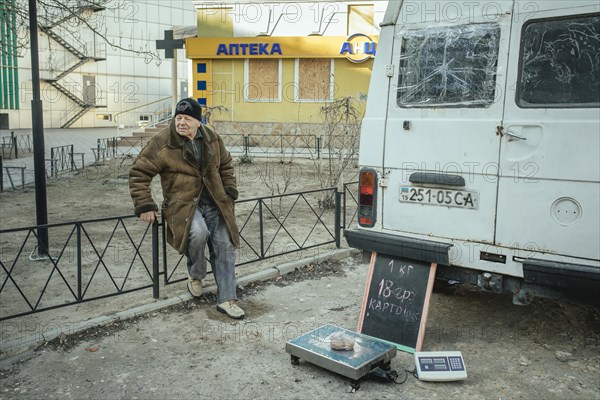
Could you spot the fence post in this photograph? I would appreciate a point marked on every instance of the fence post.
(13, 139)
(338, 209)
(246, 142)
(281, 145)
(261, 231)
(98, 149)
(72, 157)
(79, 266)
(163, 242)
(155, 273)
(1, 175)
(344, 205)
(318, 147)
(51, 161)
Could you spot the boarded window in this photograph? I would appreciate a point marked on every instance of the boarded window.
(560, 63)
(314, 79)
(262, 80)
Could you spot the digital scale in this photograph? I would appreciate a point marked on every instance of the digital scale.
(368, 353)
(440, 366)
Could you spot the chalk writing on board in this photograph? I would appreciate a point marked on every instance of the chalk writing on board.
(384, 306)
(402, 269)
(396, 299)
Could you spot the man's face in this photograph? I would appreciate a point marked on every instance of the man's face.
(186, 125)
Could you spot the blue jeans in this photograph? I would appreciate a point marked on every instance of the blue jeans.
(208, 227)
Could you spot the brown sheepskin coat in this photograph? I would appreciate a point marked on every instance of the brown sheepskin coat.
(167, 155)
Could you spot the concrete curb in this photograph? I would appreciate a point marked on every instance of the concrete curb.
(23, 348)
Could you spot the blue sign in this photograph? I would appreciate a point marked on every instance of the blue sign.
(252, 49)
(358, 48)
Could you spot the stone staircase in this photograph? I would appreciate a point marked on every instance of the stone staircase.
(141, 136)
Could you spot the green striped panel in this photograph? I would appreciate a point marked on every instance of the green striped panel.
(9, 67)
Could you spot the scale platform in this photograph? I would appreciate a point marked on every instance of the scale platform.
(368, 353)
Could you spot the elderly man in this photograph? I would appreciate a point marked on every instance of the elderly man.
(199, 190)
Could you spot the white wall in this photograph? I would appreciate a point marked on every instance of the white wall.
(124, 80)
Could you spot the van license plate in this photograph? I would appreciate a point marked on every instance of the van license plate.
(440, 197)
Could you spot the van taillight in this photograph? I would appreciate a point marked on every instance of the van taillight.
(367, 189)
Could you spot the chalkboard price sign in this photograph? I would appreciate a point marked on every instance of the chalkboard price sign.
(396, 301)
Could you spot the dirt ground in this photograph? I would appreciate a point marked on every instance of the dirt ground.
(102, 191)
(547, 350)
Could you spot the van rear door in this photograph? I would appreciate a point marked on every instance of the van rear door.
(442, 141)
(550, 153)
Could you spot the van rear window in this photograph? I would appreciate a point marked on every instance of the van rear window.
(560, 63)
(452, 66)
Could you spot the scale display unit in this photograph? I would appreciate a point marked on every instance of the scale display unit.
(440, 366)
(368, 353)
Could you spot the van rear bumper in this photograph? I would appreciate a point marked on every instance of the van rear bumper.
(544, 278)
(561, 275)
(399, 246)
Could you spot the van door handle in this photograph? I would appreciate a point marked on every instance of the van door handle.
(437, 179)
(515, 136)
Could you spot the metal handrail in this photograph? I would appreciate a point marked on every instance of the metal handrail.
(116, 119)
(61, 224)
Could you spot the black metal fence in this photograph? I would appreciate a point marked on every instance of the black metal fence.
(63, 158)
(288, 145)
(309, 146)
(10, 148)
(15, 175)
(118, 146)
(13, 145)
(99, 258)
(86, 260)
(105, 148)
(350, 205)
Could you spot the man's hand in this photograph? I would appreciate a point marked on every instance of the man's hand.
(149, 216)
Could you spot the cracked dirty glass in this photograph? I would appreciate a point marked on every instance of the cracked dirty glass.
(560, 63)
(452, 66)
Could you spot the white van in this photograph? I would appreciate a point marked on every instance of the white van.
(480, 147)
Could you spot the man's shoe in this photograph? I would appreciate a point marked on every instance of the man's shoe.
(231, 309)
(195, 287)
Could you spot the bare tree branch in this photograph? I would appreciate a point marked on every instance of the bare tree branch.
(341, 121)
(67, 14)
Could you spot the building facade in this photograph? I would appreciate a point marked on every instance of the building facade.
(111, 75)
(279, 63)
(254, 62)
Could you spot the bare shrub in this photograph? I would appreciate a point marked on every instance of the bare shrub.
(208, 112)
(340, 144)
(277, 177)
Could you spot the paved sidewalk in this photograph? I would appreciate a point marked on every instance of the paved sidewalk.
(19, 336)
(192, 351)
(82, 139)
(547, 350)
